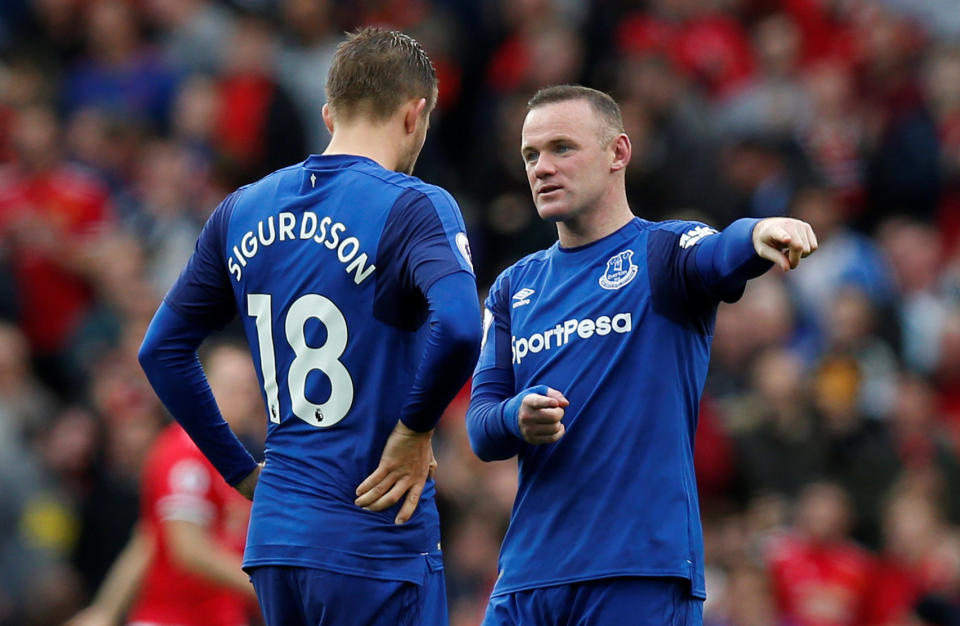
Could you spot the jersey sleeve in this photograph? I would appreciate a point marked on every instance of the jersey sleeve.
(202, 292)
(492, 415)
(451, 341)
(692, 263)
(425, 238)
(185, 491)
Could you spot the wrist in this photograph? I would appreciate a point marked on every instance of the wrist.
(403, 429)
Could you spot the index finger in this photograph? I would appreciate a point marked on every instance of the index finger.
(558, 396)
(370, 481)
(536, 401)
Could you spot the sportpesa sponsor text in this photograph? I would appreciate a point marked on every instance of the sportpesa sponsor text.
(563, 332)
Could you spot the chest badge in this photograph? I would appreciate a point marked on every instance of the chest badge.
(620, 270)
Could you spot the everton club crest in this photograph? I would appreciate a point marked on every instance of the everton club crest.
(620, 271)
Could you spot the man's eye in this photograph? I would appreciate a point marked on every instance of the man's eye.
(561, 149)
(530, 157)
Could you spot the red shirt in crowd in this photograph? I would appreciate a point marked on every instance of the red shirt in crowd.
(44, 220)
(819, 584)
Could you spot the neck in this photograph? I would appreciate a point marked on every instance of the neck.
(374, 141)
(604, 218)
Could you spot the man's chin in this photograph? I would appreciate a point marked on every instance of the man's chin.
(553, 211)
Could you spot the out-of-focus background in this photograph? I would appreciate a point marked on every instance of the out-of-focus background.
(827, 449)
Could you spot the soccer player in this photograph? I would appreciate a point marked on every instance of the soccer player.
(594, 358)
(354, 285)
(182, 563)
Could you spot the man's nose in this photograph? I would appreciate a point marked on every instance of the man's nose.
(544, 166)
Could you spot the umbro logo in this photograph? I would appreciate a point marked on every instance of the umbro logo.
(694, 236)
(522, 297)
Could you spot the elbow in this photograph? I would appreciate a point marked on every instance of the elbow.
(462, 337)
(479, 443)
(467, 345)
(148, 355)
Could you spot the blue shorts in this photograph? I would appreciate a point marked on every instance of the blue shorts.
(635, 601)
(315, 597)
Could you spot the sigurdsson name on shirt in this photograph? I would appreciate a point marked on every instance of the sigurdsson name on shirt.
(286, 227)
(560, 334)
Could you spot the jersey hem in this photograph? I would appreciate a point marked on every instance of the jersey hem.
(405, 568)
(695, 591)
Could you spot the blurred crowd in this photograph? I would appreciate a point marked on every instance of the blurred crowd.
(827, 451)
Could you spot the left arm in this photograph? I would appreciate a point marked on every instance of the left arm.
(451, 343)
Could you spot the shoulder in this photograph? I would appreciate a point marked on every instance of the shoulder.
(678, 234)
(519, 269)
(273, 178)
(531, 261)
(688, 229)
(416, 195)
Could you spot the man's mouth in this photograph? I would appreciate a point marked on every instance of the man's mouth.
(546, 189)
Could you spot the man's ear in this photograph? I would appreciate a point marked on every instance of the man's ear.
(621, 152)
(327, 118)
(414, 115)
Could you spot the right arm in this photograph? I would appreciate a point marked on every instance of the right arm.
(200, 302)
(500, 421)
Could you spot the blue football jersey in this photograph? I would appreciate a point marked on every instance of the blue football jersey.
(622, 327)
(326, 263)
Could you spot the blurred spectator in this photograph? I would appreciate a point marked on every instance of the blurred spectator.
(26, 406)
(258, 128)
(758, 177)
(845, 258)
(49, 215)
(904, 172)
(193, 33)
(860, 454)
(942, 88)
(921, 556)
(304, 60)
(773, 102)
(846, 112)
(915, 253)
(833, 134)
(673, 166)
(119, 73)
(850, 332)
(167, 219)
(778, 449)
(926, 454)
(820, 577)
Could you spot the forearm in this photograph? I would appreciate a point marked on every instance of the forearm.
(169, 359)
(194, 550)
(726, 261)
(492, 419)
(450, 350)
(123, 580)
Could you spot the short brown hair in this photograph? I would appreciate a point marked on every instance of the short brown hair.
(374, 71)
(605, 106)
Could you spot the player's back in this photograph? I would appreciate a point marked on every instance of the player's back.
(321, 258)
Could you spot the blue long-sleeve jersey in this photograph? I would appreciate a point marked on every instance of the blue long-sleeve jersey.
(622, 327)
(355, 289)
